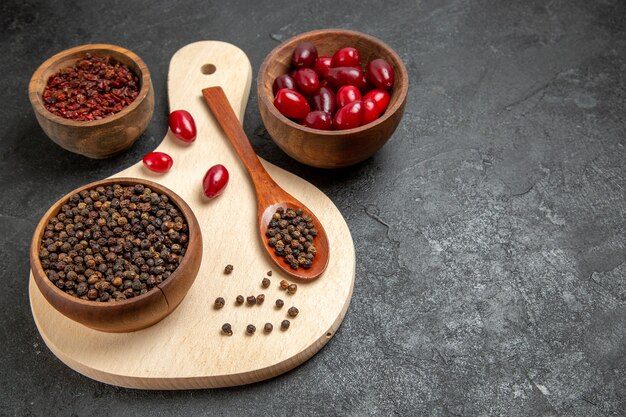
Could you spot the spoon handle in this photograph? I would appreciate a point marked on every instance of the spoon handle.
(225, 116)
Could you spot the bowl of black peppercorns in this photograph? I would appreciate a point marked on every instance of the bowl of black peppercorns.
(117, 255)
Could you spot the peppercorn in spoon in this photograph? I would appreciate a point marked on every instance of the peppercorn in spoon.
(291, 234)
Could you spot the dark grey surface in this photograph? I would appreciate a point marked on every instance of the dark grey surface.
(490, 231)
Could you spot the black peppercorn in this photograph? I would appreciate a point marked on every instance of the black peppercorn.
(280, 303)
(260, 298)
(108, 239)
(269, 273)
(292, 288)
(268, 328)
(284, 325)
(250, 329)
(227, 329)
(251, 300)
(293, 312)
(219, 303)
(239, 300)
(82, 288)
(265, 282)
(228, 269)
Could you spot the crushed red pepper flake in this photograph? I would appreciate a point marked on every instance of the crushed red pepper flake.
(92, 89)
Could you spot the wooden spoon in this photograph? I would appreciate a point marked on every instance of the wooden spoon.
(269, 195)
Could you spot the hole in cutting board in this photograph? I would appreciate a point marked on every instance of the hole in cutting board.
(208, 69)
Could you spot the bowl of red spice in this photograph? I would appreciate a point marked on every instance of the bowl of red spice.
(117, 255)
(332, 98)
(93, 100)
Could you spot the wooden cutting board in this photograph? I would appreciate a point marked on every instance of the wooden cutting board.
(186, 349)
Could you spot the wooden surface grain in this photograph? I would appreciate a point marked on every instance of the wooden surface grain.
(186, 349)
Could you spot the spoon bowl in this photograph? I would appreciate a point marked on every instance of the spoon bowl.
(321, 240)
(269, 195)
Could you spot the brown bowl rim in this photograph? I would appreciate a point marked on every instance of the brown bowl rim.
(38, 105)
(290, 43)
(42, 279)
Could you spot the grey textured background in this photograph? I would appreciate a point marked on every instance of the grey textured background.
(490, 231)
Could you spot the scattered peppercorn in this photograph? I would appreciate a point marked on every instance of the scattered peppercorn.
(251, 300)
(291, 289)
(284, 285)
(266, 282)
(219, 303)
(280, 303)
(269, 273)
(227, 329)
(250, 329)
(284, 325)
(113, 242)
(268, 327)
(239, 299)
(92, 89)
(293, 312)
(291, 233)
(229, 268)
(260, 298)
